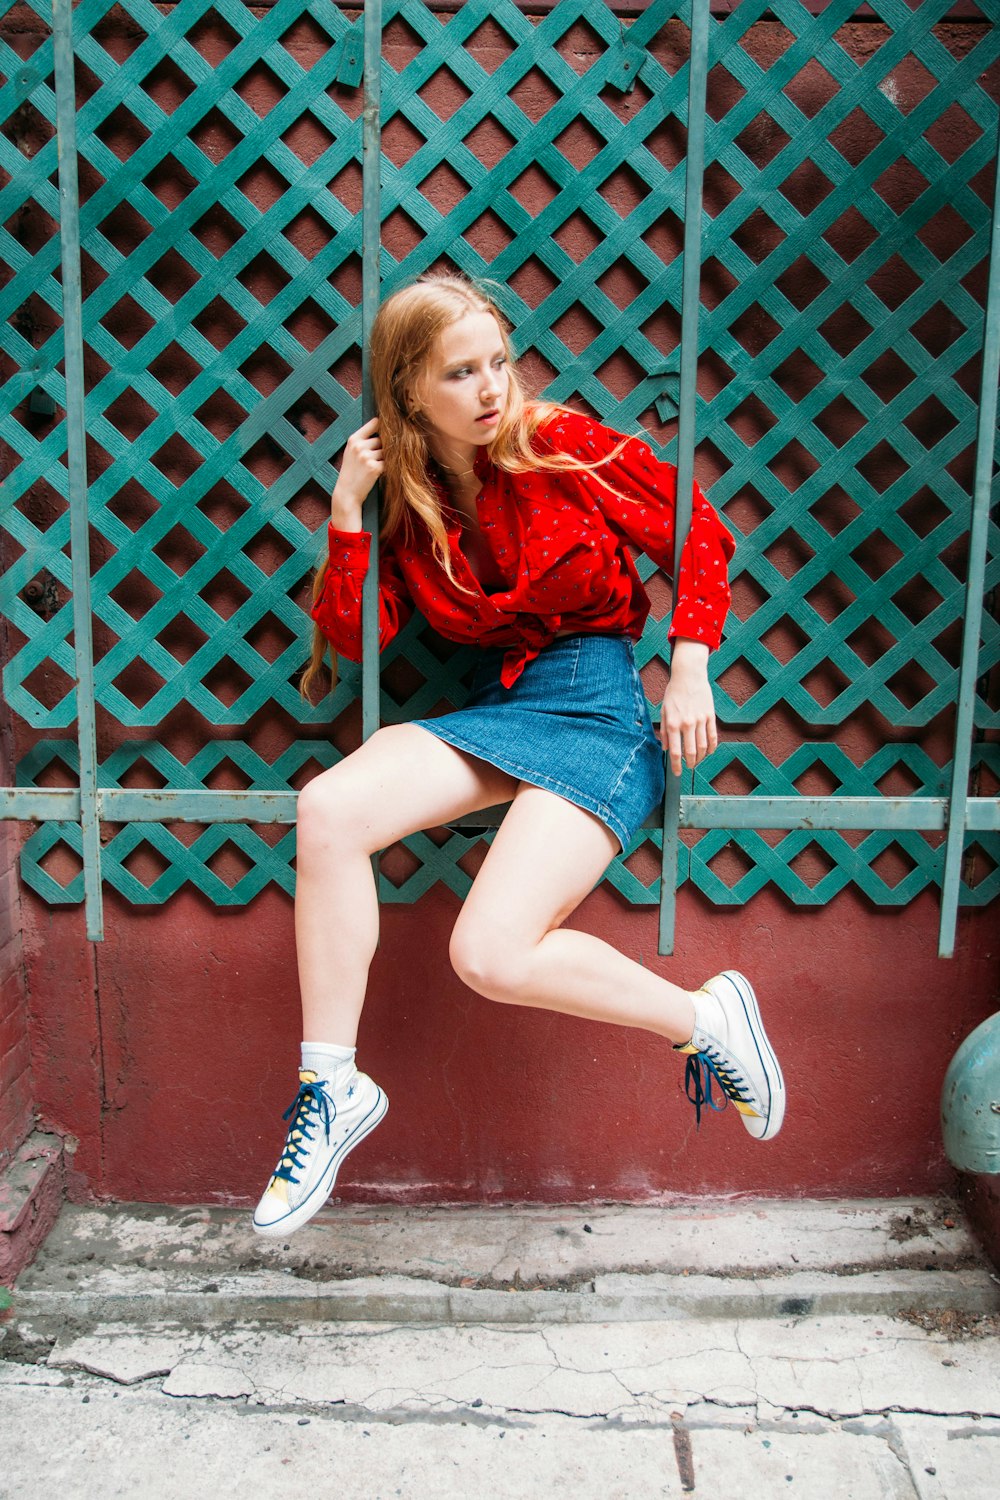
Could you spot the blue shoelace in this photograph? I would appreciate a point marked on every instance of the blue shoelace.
(702, 1068)
(309, 1104)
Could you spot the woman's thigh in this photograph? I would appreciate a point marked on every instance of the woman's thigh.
(399, 781)
(547, 855)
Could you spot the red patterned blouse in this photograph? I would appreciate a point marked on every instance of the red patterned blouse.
(558, 547)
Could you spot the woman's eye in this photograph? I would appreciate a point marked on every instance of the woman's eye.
(466, 369)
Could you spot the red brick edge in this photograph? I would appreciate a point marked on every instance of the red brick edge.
(31, 1193)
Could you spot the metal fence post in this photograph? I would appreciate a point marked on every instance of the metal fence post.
(371, 244)
(695, 173)
(76, 455)
(371, 241)
(972, 623)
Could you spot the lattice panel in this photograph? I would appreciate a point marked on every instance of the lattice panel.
(845, 238)
(222, 280)
(843, 257)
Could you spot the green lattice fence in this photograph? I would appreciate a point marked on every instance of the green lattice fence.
(221, 243)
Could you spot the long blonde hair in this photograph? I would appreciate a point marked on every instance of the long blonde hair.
(404, 333)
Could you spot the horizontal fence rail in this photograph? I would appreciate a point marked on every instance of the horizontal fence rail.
(119, 805)
(758, 234)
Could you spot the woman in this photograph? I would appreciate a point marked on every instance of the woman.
(505, 523)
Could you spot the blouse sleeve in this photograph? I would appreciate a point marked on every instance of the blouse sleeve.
(645, 517)
(337, 610)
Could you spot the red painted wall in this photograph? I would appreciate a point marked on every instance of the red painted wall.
(170, 1051)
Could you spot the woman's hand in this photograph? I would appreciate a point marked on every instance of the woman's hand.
(687, 720)
(361, 467)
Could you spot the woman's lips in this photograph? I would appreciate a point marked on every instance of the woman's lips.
(489, 416)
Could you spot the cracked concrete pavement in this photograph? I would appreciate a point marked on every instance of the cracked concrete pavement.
(690, 1395)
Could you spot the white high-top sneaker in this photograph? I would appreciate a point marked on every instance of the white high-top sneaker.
(327, 1122)
(729, 1045)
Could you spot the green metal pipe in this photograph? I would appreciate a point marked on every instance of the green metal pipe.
(816, 814)
(371, 290)
(76, 446)
(690, 297)
(973, 618)
(371, 245)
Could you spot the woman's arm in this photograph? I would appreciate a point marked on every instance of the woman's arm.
(640, 505)
(687, 720)
(361, 469)
(646, 518)
(337, 610)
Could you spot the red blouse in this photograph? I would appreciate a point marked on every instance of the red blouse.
(558, 545)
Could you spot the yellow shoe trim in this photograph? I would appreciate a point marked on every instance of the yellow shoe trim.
(745, 1109)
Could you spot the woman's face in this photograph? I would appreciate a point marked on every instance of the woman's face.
(464, 389)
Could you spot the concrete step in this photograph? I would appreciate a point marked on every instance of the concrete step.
(529, 1264)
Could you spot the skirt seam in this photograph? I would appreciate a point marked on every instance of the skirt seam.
(625, 770)
(576, 661)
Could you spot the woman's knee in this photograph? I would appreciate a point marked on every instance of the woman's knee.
(327, 809)
(490, 960)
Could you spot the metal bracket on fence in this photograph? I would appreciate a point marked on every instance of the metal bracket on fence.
(350, 69)
(664, 383)
(631, 63)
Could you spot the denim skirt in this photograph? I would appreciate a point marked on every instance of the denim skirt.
(575, 722)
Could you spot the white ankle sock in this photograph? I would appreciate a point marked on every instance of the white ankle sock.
(335, 1064)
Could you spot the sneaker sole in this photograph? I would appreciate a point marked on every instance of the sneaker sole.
(311, 1205)
(765, 1052)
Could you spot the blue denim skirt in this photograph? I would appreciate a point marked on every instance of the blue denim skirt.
(575, 722)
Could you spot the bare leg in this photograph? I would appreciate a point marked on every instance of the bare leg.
(401, 780)
(507, 944)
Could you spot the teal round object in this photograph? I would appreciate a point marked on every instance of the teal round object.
(970, 1101)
